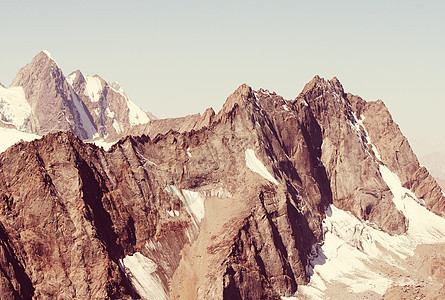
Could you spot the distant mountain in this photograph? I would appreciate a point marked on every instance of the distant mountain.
(42, 100)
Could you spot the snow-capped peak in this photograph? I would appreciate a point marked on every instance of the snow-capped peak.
(47, 53)
(93, 87)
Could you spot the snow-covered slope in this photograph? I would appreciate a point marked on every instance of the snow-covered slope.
(14, 109)
(9, 137)
(136, 114)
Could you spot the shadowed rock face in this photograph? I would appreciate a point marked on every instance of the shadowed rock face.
(71, 212)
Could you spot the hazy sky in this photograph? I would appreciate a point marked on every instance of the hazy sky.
(180, 57)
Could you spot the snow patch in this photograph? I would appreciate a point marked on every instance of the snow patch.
(70, 79)
(50, 57)
(188, 152)
(255, 165)
(357, 126)
(351, 246)
(10, 136)
(424, 226)
(285, 107)
(93, 88)
(102, 143)
(14, 109)
(109, 113)
(193, 202)
(135, 114)
(173, 213)
(141, 271)
(117, 126)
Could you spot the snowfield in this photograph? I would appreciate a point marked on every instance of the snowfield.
(255, 165)
(14, 109)
(192, 201)
(9, 137)
(141, 271)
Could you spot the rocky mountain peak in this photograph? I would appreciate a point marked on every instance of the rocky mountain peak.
(41, 68)
(75, 78)
(242, 95)
(318, 86)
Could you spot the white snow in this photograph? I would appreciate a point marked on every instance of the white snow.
(93, 88)
(135, 114)
(70, 79)
(351, 245)
(254, 164)
(173, 213)
(87, 124)
(14, 109)
(348, 245)
(109, 113)
(193, 202)
(102, 143)
(188, 152)
(359, 125)
(141, 271)
(285, 107)
(117, 126)
(9, 137)
(424, 226)
(50, 57)
(115, 86)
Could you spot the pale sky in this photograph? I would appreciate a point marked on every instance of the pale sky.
(179, 57)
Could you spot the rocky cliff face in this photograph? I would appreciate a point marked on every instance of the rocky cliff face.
(230, 206)
(42, 100)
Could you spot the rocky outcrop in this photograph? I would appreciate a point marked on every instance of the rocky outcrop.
(213, 206)
(356, 187)
(396, 153)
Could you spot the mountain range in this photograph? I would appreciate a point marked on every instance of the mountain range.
(317, 197)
